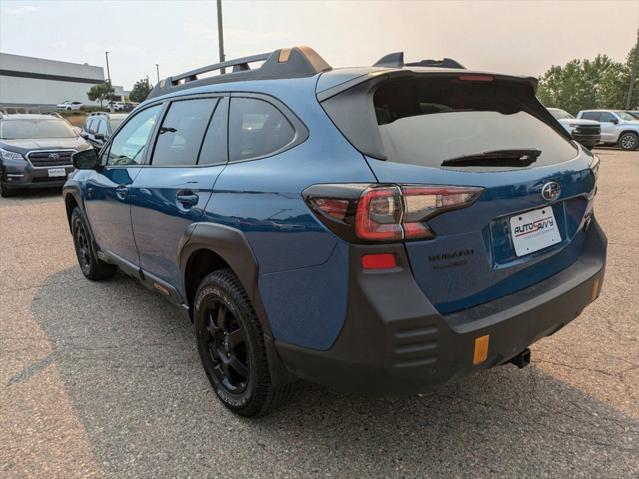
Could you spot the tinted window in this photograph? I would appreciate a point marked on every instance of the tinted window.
(35, 129)
(607, 117)
(428, 121)
(181, 133)
(102, 127)
(129, 145)
(591, 115)
(256, 128)
(214, 147)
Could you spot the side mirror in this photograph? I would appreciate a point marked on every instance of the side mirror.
(99, 136)
(614, 122)
(86, 159)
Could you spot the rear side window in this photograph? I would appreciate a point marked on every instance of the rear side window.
(591, 115)
(428, 121)
(182, 131)
(256, 129)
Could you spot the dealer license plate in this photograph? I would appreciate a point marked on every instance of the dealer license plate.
(534, 230)
(57, 172)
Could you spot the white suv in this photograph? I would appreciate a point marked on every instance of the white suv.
(617, 127)
(70, 105)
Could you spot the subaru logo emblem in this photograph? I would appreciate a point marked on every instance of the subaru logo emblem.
(54, 156)
(551, 191)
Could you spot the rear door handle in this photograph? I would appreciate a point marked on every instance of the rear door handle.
(122, 191)
(187, 198)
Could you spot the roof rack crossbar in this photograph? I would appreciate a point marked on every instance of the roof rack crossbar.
(291, 62)
(396, 60)
(242, 63)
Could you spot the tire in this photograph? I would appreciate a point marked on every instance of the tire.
(6, 192)
(231, 346)
(628, 141)
(92, 267)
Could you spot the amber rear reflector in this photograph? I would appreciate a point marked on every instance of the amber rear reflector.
(595, 289)
(481, 349)
(284, 54)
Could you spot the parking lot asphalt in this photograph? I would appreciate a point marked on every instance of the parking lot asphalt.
(103, 379)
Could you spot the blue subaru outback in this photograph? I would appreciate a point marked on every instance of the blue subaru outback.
(376, 230)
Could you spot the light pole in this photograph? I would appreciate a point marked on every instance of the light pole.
(157, 69)
(108, 71)
(633, 74)
(220, 34)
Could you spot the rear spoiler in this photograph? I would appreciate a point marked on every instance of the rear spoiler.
(383, 75)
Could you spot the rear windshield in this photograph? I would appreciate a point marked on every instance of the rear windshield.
(428, 121)
(35, 129)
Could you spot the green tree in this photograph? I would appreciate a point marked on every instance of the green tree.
(140, 91)
(101, 92)
(585, 84)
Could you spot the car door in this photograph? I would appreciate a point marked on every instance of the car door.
(107, 198)
(171, 192)
(609, 129)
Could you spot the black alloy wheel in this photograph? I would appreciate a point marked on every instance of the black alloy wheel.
(226, 346)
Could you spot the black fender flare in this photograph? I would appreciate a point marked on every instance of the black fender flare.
(233, 247)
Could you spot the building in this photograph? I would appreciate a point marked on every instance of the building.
(29, 81)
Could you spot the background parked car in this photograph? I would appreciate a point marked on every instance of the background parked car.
(617, 127)
(116, 106)
(586, 132)
(70, 105)
(634, 113)
(100, 126)
(35, 151)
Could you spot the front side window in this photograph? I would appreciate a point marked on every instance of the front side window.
(102, 128)
(181, 133)
(256, 129)
(607, 117)
(591, 115)
(129, 145)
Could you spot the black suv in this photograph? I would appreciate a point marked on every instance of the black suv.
(100, 126)
(35, 151)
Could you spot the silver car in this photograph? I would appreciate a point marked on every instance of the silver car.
(617, 127)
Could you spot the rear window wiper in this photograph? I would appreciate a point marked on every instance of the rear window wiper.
(523, 157)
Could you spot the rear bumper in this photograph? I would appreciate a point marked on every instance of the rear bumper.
(395, 342)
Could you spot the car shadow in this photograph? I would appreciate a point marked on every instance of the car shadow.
(130, 367)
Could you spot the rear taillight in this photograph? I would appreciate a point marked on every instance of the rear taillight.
(385, 213)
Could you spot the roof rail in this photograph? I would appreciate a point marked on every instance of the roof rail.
(282, 63)
(396, 60)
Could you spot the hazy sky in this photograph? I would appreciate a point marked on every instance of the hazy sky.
(506, 36)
